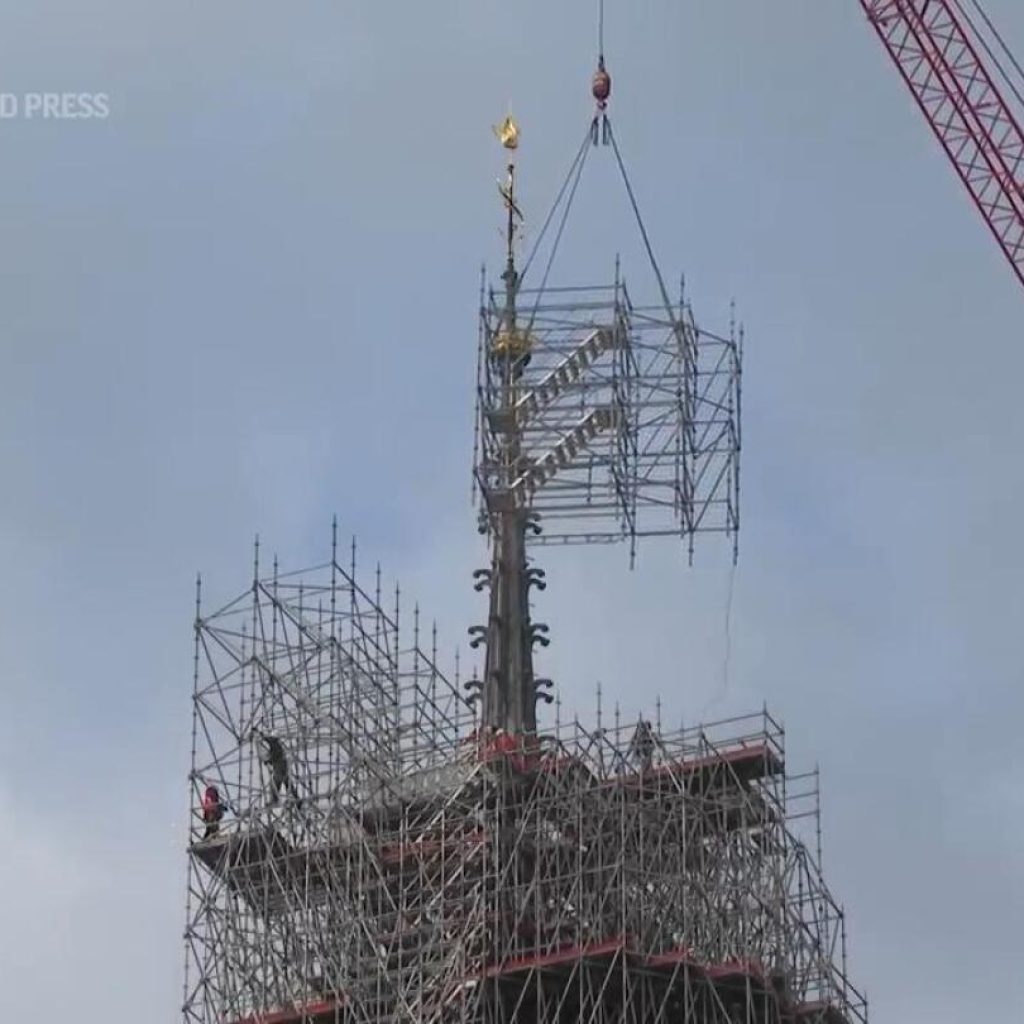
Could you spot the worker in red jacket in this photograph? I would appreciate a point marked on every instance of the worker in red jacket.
(213, 810)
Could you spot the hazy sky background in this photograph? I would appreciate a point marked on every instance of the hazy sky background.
(246, 301)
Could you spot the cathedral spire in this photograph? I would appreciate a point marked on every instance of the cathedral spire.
(508, 687)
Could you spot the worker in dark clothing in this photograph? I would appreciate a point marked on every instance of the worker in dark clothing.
(271, 753)
(213, 810)
(642, 745)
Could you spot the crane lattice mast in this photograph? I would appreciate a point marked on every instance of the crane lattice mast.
(938, 51)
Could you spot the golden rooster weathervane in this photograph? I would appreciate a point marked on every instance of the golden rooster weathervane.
(508, 135)
(510, 342)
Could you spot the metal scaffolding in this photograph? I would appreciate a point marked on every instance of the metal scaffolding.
(417, 867)
(627, 416)
(374, 842)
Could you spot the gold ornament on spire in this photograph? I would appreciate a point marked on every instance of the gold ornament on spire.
(508, 133)
(510, 343)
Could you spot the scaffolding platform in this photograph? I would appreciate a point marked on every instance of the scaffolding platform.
(739, 766)
(327, 1010)
(264, 867)
(821, 1012)
(426, 881)
(239, 851)
(744, 971)
(464, 854)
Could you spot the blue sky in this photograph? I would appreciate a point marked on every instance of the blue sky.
(246, 301)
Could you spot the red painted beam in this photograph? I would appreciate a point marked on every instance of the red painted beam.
(558, 957)
(759, 757)
(294, 1014)
(671, 957)
(736, 968)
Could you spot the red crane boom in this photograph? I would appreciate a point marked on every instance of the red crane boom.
(939, 58)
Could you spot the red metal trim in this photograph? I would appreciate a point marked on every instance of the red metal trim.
(736, 968)
(317, 1009)
(753, 755)
(395, 853)
(670, 958)
(736, 756)
(558, 957)
(936, 57)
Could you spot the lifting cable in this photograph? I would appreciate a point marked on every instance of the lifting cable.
(1016, 87)
(581, 160)
(639, 219)
(575, 170)
(599, 129)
